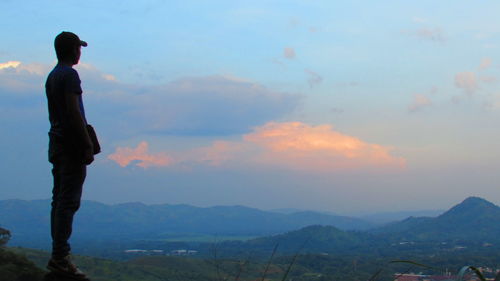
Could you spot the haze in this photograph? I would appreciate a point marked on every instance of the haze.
(341, 106)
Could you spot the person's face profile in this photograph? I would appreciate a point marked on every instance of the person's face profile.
(78, 53)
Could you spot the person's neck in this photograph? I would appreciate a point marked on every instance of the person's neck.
(66, 63)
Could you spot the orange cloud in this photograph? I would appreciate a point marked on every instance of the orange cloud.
(292, 145)
(419, 102)
(218, 153)
(125, 155)
(485, 63)
(467, 81)
(298, 145)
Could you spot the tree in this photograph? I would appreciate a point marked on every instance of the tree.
(4, 236)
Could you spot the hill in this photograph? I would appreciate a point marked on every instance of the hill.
(29, 221)
(310, 239)
(473, 219)
(473, 225)
(388, 217)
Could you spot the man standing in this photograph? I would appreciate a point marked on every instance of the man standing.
(70, 149)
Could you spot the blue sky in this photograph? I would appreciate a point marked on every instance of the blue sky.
(344, 106)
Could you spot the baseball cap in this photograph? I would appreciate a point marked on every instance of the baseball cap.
(67, 39)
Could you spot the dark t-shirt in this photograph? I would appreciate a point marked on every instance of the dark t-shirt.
(61, 81)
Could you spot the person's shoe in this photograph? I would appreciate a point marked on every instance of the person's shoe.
(65, 267)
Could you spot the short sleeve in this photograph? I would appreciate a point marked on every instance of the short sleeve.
(73, 83)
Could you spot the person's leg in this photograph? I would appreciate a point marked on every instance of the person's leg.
(69, 176)
(55, 193)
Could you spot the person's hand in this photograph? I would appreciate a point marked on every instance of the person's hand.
(88, 155)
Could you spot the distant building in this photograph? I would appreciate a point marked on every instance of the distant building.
(183, 252)
(135, 251)
(145, 252)
(420, 277)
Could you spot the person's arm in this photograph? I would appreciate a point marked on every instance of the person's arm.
(79, 128)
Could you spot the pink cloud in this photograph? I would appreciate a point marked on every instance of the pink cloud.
(218, 153)
(125, 155)
(466, 81)
(289, 145)
(485, 63)
(419, 102)
(289, 53)
(302, 146)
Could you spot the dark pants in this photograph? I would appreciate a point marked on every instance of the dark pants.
(69, 174)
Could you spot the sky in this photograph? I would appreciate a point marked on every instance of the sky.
(350, 107)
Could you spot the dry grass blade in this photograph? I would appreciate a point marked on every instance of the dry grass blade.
(269, 262)
(240, 270)
(293, 261)
(463, 271)
(216, 261)
(375, 275)
(290, 267)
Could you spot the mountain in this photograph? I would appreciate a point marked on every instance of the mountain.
(473, 219)
(312, 239)
(29, 221)
(286, 211)
(388, 217)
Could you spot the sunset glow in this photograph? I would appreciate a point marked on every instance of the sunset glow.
(345, 106)
(125, 155)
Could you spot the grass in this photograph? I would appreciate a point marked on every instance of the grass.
(219, 269)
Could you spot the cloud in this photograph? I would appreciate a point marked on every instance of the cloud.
(8, 64)
(485, 63)
(419, 102)
(301, 146)
(488, 79)
(336, 110)
(219, 153)
(286, 145)
(125, 155)
(289, 53)
(466, 81)
(210, 105)
(91, 73)
(314, 78)
(420, 20)
(19, 78)
(207, 105)
(429, 34)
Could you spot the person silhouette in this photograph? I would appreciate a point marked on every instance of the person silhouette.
(70, 150)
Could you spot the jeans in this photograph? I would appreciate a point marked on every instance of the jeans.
(69, 174)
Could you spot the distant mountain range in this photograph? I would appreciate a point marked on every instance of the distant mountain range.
(474, 219)
(29, 220)
(388, 217)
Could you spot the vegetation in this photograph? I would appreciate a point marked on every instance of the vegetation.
(315, 252)
(297, 267)
(4, 236)
(15, 267)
